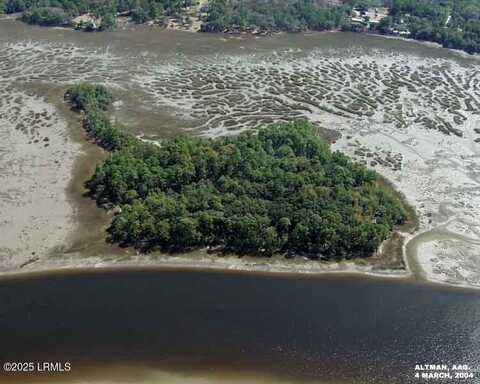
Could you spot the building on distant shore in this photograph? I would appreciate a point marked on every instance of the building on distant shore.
(376, 14)
(369, 17)
(87, 21)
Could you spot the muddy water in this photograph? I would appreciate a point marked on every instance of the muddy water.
(196, 327)
(408, 110)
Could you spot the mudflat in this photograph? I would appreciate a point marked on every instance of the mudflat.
(409, 110)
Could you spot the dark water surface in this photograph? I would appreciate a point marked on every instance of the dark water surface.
(334, 329)
(320, 330)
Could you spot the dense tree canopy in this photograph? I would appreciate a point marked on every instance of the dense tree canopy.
(44, 12)
(273, 15)
(452, 23)
(46, 16)
(278, 190)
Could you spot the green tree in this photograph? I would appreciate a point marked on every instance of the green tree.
(279, 190)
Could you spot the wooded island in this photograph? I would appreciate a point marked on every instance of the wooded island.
(278, 190)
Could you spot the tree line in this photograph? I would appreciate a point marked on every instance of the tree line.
(94, 100)
(271, 15)
(60, 12)
(278, 190)
(451, 23)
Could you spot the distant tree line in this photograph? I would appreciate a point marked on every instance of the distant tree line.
(280, 190)
(46, 16)
(452, 23)
(59, 12)
(273, 15)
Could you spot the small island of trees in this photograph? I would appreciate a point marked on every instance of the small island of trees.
(278, 190)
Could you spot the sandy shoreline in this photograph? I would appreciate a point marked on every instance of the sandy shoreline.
(71, 249)
(51, 248)
(203, 260)
(438, 173)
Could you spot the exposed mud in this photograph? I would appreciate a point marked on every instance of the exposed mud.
(412, 116)
(36, 159)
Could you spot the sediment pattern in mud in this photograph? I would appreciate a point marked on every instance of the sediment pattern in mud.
(235, 93)
(35, 165)
(414, 119)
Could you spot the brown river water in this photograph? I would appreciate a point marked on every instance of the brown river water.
(405, 108)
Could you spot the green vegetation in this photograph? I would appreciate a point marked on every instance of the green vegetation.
(280, 190)
(452, 23)
(48, 12)
(271, 15)
(46, 16)
(94, 101)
